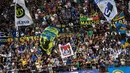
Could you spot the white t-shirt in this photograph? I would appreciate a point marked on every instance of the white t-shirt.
(36, 16)
(119, 43)
(122, 61)
(128, 33)
(75, 1)
(80, 49)
(102, 21)
(50, 66)
(32, 50)
(52, 18)
(57, 63)
(69, 4)
(38, 10)
(129, 7)
(96, 46)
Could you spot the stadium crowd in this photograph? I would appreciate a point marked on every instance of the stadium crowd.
(95, 46)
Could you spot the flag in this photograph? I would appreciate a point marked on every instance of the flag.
(3, 40)
(46, 44)
(66, 50)
(22, 15)
(52, 29)
(119, 23)
(117, 26)
(47, 38)
(120, 16)
(108, 8)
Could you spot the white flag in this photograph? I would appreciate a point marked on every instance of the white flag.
(108, 8)
(66, 50)
(22, 15)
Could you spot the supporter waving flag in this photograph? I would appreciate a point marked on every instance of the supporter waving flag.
(22, 15)
(108, 8)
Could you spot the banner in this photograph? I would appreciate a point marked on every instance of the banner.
(3, 40)
(108, 8)
(93, 19)
(66, 50)
(120, 18)
(83, 71)
(22, 15)
(47, 38)
(89, 22)
(23, 39)
(119, 23)
(119, 70)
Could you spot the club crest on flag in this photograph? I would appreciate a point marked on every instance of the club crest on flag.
(47, 38)
(66, 50)
(20, 12)
(108, 8)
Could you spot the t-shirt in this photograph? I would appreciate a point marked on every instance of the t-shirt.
(68, 61)
(1, 66)
(33, 57)
(123, 61)
(39, 52)
(50, 66)
(24, 62)
(90, 33)
(77, 65)
(57, 63)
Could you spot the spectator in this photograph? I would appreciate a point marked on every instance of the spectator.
(96, 46)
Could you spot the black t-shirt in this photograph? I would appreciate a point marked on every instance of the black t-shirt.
(1, 59)
(33, 67)
(1, 66)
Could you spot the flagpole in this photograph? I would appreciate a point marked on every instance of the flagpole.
(16, 27)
